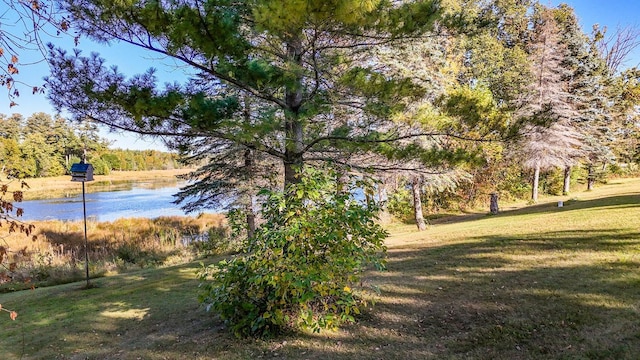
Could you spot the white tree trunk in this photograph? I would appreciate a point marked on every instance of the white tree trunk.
(567, 180)
(416, 185)
(591, 177)
(536, 180)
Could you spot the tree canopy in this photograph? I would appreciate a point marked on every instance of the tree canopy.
(292, 81)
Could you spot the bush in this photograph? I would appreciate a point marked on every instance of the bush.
(303, 264)
(217, 241)
(400, 205)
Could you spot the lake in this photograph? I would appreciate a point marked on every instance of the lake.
(109, 202)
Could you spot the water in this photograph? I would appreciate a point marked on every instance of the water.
(143, 199)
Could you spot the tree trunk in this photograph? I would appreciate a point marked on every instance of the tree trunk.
(536, 180)
(250, 211)
(591, 177)
(493, 206)
(416, 186)
(251, 218)
(567, 180)
(383, 198)
(293, 153)
(341, 181)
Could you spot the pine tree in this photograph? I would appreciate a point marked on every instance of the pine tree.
(554, 142)
(315, 96)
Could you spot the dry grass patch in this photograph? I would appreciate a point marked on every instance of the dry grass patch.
(57, 253)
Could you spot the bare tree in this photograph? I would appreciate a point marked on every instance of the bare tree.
(615, 48)
(24, 26)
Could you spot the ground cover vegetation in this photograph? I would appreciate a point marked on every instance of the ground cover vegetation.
(533, 282)
(53, 252)
(443, 102)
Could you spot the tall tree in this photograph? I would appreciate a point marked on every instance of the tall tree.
(553, 143)
(304, 65)
(589, 81)
(11, 127)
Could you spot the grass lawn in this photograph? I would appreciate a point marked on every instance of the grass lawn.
(536, 282)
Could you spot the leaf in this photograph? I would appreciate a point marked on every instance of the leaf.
(14, 59)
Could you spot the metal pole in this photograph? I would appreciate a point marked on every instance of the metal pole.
(86, 242)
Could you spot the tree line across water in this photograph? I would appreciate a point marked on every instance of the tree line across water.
(42, 146)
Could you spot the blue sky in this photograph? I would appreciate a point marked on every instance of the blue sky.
(610, 13)
(130, 60)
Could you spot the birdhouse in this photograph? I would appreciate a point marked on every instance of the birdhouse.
(82, 172)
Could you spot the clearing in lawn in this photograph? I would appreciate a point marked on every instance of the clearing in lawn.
(539, 282)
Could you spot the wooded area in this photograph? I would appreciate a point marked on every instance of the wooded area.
(42, 146)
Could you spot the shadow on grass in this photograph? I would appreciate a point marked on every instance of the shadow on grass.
(625, 201)
(555, 295)
(146, 315)
(618, 201)
(570, 294)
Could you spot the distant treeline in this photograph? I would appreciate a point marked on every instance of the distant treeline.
(42, 146)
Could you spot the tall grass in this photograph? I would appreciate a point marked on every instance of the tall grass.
(57, 253)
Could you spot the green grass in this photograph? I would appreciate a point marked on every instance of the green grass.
(536, 282)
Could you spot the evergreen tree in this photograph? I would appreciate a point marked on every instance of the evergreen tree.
(588, 83)
(555, 142)
(11, 127)
(303, 65)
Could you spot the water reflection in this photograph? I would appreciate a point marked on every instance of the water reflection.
(108, 201)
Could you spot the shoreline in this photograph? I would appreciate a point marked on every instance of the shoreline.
(58, 186)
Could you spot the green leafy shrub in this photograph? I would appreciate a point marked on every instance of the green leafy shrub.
(552, 182)
(302, 267)
(400, 205)
(217, 241)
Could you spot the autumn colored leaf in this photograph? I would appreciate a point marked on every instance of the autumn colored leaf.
(14, 59)
(12, 69)
(1, 51)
